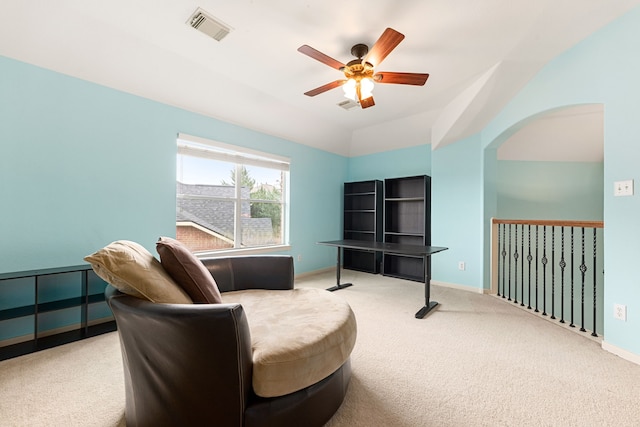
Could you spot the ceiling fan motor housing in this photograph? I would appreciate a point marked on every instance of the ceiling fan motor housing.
(356, 68)
(359, 50)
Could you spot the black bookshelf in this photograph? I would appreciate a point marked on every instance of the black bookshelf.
(407, 220)
(362, 221)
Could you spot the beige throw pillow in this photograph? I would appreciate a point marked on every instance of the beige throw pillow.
(187, 271)
(132, 269)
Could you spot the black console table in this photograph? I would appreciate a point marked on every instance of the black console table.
(391, 248)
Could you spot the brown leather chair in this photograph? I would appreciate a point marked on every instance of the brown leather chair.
(191, 364)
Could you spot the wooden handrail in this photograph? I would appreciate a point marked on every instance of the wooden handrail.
(551, 222)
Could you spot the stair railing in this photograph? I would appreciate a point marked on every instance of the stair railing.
(554, 268)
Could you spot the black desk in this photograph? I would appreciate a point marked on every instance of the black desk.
(396, 248)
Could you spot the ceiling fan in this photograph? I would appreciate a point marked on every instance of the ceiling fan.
(359, 73)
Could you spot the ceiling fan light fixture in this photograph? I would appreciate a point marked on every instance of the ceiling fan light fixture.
(350, 89)
(366, 87)
(356, 89)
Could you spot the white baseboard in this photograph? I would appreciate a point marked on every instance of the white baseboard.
(460, 287)
(625, 354)
(433, 282)
(314, 272)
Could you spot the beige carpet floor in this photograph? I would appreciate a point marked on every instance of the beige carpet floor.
(475, 361)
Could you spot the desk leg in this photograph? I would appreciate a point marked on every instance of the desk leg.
(338, 285)
(428, 305)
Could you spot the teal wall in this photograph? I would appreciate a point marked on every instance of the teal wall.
(550, 190)
(412, 161)
(83, 165)
(456, 209)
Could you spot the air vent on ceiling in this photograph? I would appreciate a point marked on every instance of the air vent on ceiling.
(202, 21)
(347, 104)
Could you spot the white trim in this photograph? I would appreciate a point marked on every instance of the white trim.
(230, 153)
(460, 287)
(314, 272)
(625, 354)
(243, 251)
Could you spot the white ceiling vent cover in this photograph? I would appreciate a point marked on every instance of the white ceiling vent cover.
(202, 21)
(347, 104)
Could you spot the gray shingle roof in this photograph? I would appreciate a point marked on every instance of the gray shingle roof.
(218, 215)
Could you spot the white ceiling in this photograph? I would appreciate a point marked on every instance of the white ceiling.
(478, 54)
(572, 134)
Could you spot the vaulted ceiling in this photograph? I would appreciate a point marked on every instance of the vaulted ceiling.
(478, 55)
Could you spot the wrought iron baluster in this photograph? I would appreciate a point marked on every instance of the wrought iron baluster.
(536, 310)
(515, 265)
(509, 298)
(563, 264)
(504, 255)
(572, 271)
(583, 270)
(522, 267)
(544, 270)
(593, 333)
(529, 259)
(553, 272)
(499, 247)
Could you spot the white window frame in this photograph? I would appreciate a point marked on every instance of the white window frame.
(215, 150)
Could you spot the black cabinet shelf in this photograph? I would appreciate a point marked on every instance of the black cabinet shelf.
(368, 193)
(362, 221)
(407, 220)
(16, 312)
(62, 305)
(404, 199)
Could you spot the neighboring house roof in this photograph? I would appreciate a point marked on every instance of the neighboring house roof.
(217, 215)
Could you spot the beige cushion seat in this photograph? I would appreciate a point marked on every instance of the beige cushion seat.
(299, 336)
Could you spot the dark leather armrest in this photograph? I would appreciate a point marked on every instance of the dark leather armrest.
(194, 351)
(252, 272)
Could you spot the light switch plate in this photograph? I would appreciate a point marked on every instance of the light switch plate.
(623, 188)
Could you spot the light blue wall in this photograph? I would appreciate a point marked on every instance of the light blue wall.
(550, 190)
(456, 209)
(602, 69)
(83, 165)
(412, 161)
(456, 197)
(489, 208)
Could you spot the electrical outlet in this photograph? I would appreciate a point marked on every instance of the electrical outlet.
(620, 311)
(623, 188)
(461, 265)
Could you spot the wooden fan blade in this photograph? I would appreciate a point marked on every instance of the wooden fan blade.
(416, 79)
(367, 102)
(388, 41)
(319, 56)
(324, 88)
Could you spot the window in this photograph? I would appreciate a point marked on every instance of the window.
(229, 197)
